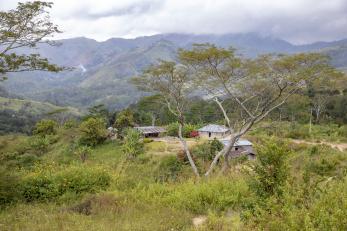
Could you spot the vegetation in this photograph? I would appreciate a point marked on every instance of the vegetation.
(82, 177)
(291, 190)
(93, 131)
(132, 144)
(25, 27)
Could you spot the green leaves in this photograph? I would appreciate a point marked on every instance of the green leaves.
(25, 27)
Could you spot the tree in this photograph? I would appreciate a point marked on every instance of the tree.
(45, 127)
(93, 131)
(257, 87)
(319, 103)
(124, 119)
(171, 81)
(25, 27)
(133, 145)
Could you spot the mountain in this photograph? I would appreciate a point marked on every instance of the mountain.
(102, 69)
(19, 115)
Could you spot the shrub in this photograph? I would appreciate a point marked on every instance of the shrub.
(83, 152)
(271, 170)
(169, 168)
(46, 127)
(132, 145)
(44, 186)
(8, 187)
(172, 129)
(39, 144)
(70, 124)
(208, 149)
(93, 131)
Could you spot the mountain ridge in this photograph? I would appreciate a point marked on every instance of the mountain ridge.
(102, 69)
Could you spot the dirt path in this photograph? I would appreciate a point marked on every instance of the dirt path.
(340, 146)
(200, 220)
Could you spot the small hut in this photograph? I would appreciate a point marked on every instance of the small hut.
(151, 131)
(241, 148)
(212, 131)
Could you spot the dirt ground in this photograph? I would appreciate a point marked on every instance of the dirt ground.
(340, 146)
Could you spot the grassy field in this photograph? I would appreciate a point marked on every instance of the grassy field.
(52, 189)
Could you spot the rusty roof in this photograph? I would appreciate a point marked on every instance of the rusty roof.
(150, 129)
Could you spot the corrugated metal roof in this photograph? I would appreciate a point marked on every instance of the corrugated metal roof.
(238, 143)
(214, 128)
(150, 129)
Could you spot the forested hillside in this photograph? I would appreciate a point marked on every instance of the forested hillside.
(102, 69)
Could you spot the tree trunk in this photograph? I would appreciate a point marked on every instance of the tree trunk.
(153, 120)
(185, 147)
(224, 152)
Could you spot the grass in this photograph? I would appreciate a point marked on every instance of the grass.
(155, 192)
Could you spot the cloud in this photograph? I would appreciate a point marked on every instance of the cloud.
(298, 21)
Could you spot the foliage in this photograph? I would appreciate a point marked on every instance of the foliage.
(83, 152)
(70, 124)
(93, 131)
(39, 144)
(270, 170)
(46, 127)
(25, 27)
(124, 119)
(169, 169)
(132, 144)
(207, 150)
(48, 185)
(172, 129)
(8, 187)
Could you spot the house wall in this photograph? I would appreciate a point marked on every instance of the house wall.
(211, 135)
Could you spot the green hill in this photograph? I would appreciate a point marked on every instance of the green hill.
(18, 115)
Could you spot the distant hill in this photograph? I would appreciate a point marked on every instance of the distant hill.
(102, 69)
(18, 115)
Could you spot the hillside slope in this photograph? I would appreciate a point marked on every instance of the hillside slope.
(18, 115)
(102, 69)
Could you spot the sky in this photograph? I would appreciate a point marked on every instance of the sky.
(297, 21)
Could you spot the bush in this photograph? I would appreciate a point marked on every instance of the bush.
(44, 186)
(70, 124)
(46, 127)
(172, 129)
(207, 150)
(8, 188)
(271, 170)
(83, 152)
(39, 144)
(93, 131)
(132, 146)
(169, 168)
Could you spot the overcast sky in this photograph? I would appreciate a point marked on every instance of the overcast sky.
(297, 21)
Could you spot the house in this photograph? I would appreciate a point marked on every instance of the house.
(214, 131)
(242, 147)
(151, 131)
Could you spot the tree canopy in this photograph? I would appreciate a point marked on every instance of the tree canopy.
(22, 29)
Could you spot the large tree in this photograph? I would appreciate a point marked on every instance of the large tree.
(22, 28)
(171, 81)
(257, 87)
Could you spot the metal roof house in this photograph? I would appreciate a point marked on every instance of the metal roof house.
(214, 131)
(242, 147)
(151, 131)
